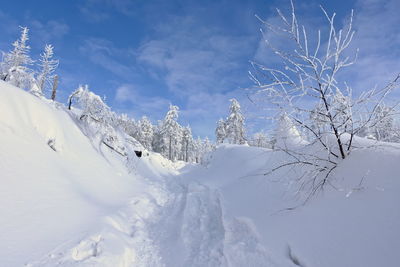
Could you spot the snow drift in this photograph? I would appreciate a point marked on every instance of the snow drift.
(55, 183)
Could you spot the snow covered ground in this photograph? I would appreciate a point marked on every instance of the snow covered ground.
(77, 204)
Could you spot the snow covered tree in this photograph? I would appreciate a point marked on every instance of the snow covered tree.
(286, 134)
(234, 125)
(309, 76)
(158, 144)
(171, 133)
(202, 149)
(220, 132)
(385, 128)
(198, 150)
(260, 139)
(145, 133)
(128, 125)
(187, 144)
(92, 106)
(47, 67)
(15, 65)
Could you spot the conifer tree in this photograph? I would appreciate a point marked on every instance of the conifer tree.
(171, 132)
(47, 67)
(235, 132)
(15, 66)
(220, 132)
(187, 144)
(146, 133)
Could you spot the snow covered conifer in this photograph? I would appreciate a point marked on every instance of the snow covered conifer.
(220, 132)
(15, 66)
(234, 128)
(158, 144)
(47, 67)
(145, 133)
(171, 132)
(187, 144)
(286, 134)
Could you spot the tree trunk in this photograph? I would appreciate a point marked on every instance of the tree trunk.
(54, 90)
(170, 148)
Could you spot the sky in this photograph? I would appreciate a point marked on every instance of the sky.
(143, 55)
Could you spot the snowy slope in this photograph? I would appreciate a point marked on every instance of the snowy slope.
(50, 197)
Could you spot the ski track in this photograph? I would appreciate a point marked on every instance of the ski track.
(177, 223)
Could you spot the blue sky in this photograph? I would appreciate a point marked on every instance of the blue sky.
(143, 55)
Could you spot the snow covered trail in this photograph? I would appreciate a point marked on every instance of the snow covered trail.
(179, 222)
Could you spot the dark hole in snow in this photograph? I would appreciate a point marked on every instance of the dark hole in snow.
(138, 153)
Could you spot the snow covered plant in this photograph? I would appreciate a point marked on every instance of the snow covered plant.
(305, 88)
(15, 64)
(92, 106)
(47, 67)
(232, 129)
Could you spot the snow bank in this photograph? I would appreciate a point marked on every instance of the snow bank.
(355, 224)
(55, 184)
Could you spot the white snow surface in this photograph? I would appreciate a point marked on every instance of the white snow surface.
(79, 205)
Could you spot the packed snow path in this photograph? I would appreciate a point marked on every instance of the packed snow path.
(179, 222)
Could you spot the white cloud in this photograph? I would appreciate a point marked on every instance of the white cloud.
(105, 54)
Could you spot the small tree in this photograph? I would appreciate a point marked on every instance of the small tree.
(47, 67)
(220, 132)
(234, 126)
(307, 89)
(15, 65)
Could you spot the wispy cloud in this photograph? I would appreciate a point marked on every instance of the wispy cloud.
(102, 10)
(196, 58)
(130, 100)
(378, 38)
(48, 31)
(105, 54)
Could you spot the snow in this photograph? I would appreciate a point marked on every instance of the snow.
(352, 226)
(79, 204)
